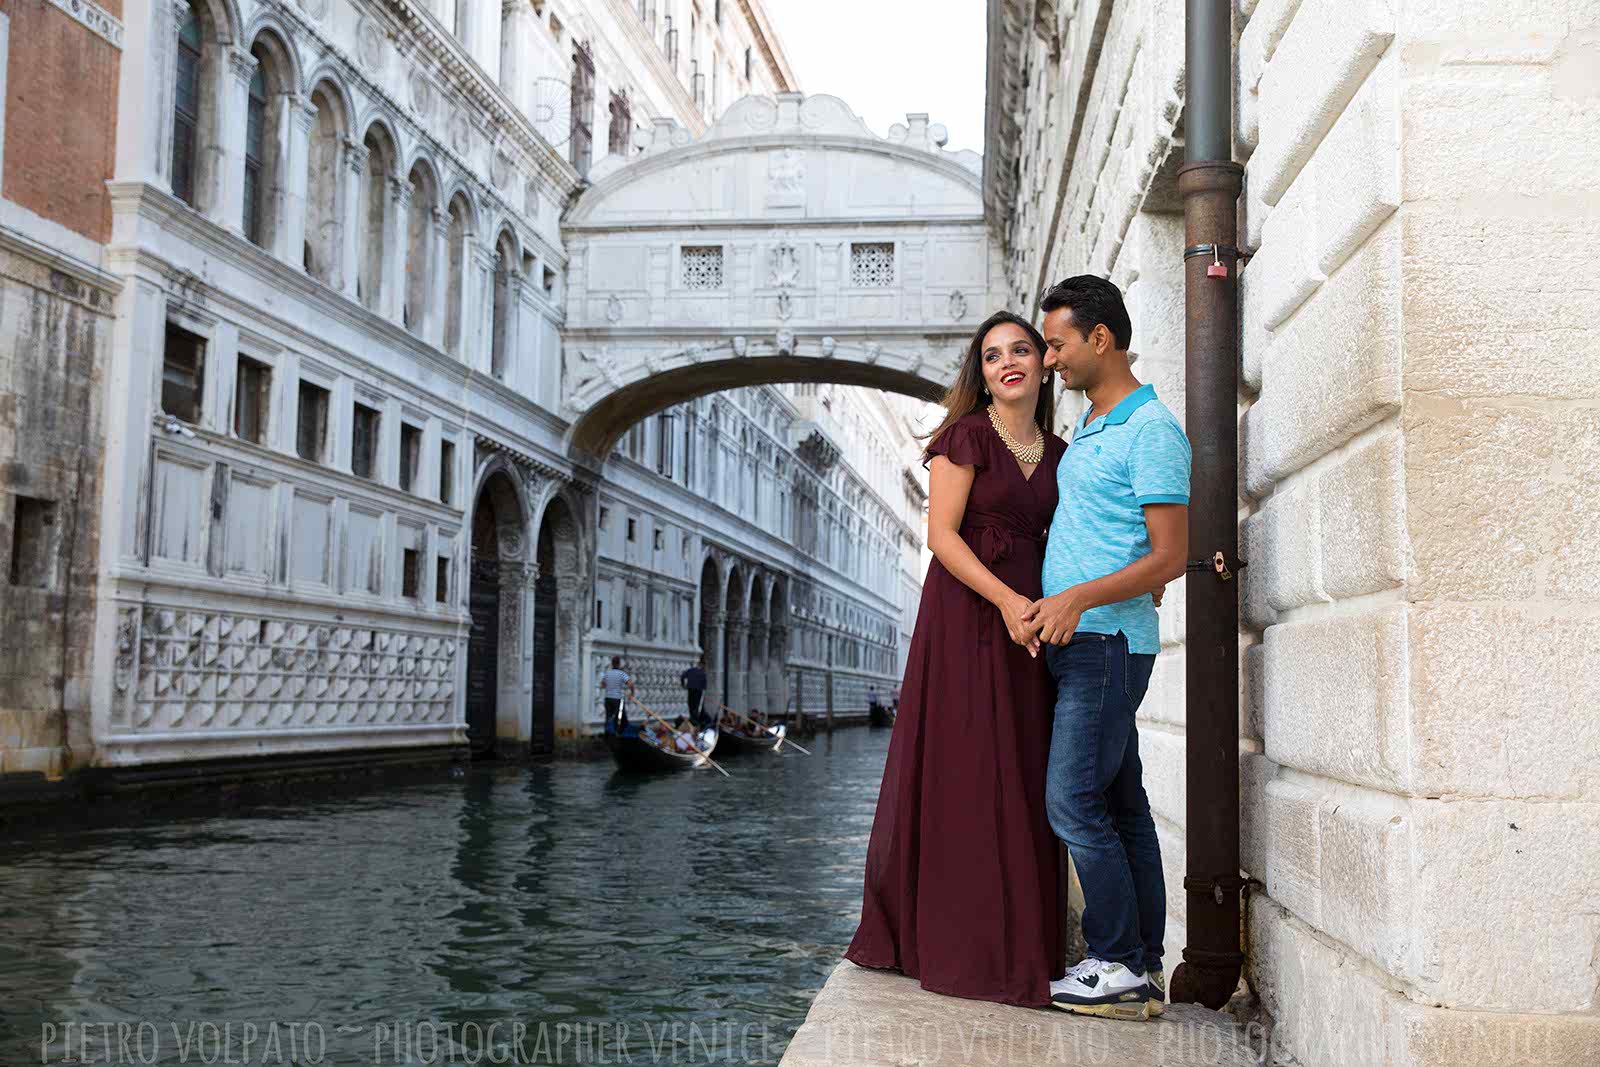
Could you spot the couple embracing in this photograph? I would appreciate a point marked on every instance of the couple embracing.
(1033, 648)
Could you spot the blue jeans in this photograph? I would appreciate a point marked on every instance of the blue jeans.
(1095, 797)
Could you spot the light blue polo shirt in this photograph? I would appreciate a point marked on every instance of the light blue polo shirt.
(1133, 455)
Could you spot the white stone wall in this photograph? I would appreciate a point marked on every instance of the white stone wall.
(256, 600)
(1417, 735)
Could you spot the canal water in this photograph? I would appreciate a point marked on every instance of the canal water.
(558, 913)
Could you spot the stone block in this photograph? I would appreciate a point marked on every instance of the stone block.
(1574, 572)
(1356, 170)
(1257, 42)
(1290, 232)
(1421, 1035)
(1254, 672)
(1174, 860)
(1293, 852)
(1336, 697)
(1471, 330)
(1497, 21)
(1333, 369)
(1162, 754)
(1361, 520)
(1324, 56)
(1503, 702)
(1164, 701)
(1366, 886)
(1256, 772)
(1171, 614)
(1474, 131)
(1285, 548)
(1525, 877)
(1255, 606)
(1331, 1007)
(1481, 506)
(1254, 336)
(1328, 1007)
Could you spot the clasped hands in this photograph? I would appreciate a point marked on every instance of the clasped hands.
(1050, 620)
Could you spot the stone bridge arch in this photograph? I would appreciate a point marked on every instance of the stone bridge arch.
(789, 243)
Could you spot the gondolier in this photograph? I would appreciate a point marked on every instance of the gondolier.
(614, 684)
(694, 680)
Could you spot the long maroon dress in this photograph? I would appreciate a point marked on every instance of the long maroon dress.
(963, 887)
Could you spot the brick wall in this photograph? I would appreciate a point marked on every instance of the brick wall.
(60, 116)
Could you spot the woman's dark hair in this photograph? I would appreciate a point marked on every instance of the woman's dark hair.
(966, 393)
(1093, 302)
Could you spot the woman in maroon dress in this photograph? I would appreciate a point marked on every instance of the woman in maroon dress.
(963, 890)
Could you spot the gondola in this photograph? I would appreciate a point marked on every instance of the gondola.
(749, 740)
(635, 753)
(880, 715)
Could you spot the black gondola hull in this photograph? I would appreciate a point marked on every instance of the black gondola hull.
(635, 755)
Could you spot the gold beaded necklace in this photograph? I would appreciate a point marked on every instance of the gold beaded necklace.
(1026, 453)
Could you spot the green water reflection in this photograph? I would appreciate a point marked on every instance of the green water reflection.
(687, 918)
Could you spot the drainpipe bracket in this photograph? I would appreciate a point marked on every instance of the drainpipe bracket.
(1218, 565)
(1219, 889)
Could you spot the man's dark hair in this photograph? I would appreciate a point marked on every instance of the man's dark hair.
(1093, 302)
(616, 661)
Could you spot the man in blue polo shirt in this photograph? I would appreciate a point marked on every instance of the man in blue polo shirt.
(1120, 533)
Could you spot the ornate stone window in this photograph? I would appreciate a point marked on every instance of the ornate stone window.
(872, 265)
(702, 267)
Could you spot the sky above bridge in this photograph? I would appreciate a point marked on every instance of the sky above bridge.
(889, 57)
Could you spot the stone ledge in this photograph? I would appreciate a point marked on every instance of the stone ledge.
(865, 1018)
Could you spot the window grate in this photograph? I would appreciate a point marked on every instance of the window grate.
(872, 265)
(702, 267)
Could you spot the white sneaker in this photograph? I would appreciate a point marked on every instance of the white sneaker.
(1157, 993)
(1095, 987)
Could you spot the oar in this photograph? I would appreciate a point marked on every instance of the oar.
(781, 739)
(680, 733)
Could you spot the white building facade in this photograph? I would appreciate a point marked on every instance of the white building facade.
(343, 508)
(1420, 814)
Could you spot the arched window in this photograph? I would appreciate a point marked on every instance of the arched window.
(505, 267)
(375, 223)
(186, 108)
(261, 212)
(457, 241)
(255, 154)
(324, 226)
(419, 249)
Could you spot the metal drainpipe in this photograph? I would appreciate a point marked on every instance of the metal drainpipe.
(1210, 182)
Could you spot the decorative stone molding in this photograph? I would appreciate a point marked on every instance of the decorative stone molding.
(423, 95)
(371, 46)
(183, 670)
(242, 65)
(96, 19)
